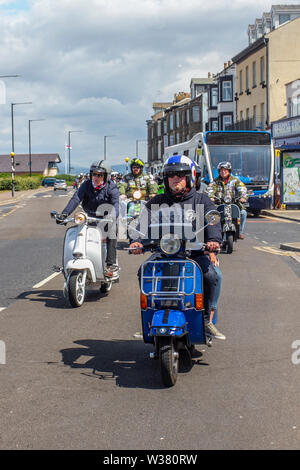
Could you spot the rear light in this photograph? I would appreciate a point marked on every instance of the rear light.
(144, 302)
(199, 301)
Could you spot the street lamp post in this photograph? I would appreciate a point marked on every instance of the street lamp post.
(137, 146)
(29, 140)
(105, 137)
(69, 149)
(13, 147)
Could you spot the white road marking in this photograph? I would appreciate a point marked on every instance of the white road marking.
(42, 283)
(2, 308)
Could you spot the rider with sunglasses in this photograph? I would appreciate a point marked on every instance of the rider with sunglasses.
(95, 192)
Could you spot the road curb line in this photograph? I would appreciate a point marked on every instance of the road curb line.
(44, 281)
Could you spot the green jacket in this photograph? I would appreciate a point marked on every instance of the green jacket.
(144, 183)
(234, 188)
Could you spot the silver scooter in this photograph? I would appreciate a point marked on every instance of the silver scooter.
(84, 256)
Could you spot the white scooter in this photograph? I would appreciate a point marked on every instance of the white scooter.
(84, 257)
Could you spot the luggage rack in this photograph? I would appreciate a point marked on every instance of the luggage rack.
(179, 287)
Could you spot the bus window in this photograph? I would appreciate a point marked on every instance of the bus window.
(186, 153)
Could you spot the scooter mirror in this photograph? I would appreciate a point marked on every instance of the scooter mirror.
(213, 217)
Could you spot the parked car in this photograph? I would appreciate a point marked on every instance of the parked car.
(60, 184)
(48, 182)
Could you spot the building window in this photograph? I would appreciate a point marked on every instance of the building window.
(241, 81)
(158, 132)
(226, 121)
(227, 90)
(214, 125)
(241, 115)
(196, 113)
(284, 17)
(262, 116)
(171, 122)
(165, 127)
(177, 138)
(172, 140)
(254, 74)
(262, 69)
(187, 116)
(177, 119)
(247, 78)
(254, 116)
(214, 96)
(166, 143)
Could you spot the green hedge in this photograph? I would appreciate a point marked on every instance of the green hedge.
(22, 183)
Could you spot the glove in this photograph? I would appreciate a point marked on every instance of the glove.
(60, 218)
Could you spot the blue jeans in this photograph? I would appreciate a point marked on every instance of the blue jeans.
(216, 291)
(243, 220)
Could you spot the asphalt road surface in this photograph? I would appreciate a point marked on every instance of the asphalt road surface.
(82, 378)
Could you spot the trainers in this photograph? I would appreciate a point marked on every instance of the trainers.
(241, 236)
(212, 331)
(112, 270)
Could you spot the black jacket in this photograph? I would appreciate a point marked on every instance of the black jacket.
(92, 198)
(192, 198)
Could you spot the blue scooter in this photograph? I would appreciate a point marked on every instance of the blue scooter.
(172, 301)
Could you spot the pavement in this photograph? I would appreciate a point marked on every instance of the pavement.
(7, 198)
(293, 215)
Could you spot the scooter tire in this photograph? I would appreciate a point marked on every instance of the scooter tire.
(76, 289)
(169, 361)
(229, 243)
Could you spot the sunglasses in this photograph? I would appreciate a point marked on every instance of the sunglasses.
(172, 174)
(98, 174)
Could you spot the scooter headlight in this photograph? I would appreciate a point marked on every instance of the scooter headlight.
(137, 195)
(170, 244)
(80, 218)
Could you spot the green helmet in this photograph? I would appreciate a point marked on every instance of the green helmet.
(137, 162)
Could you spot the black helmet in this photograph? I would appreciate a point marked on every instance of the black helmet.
(101, 166)
(226, 165)
(182, 164)
(137, 162)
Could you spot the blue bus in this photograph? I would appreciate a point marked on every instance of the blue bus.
(251, 154)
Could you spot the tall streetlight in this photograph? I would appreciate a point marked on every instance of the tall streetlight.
(105, 137)
(13, 146)
(69, 148)
(29, 140)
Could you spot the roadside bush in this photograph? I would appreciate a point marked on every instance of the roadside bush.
(22, 183)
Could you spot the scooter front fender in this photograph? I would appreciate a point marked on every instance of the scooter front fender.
(168, 323)
(81, 265)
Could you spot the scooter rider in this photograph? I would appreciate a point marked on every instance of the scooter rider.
(179, 180)
(228, 184)
(137, 180)
(93, 193)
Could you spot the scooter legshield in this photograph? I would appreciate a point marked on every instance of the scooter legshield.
(168, 323)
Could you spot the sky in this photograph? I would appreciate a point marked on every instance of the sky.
(96, 66)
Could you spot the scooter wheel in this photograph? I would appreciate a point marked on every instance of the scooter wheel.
(229, 243)
(76, 289)
(169, 361)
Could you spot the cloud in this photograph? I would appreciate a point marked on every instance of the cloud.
(98, 65)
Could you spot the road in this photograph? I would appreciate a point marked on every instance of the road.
(82, 378)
